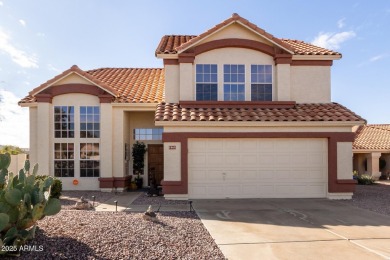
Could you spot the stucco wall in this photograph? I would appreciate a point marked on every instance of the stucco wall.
(172, 84)
(17, 162)
(344, 161)
(310, 84)
(236, 31)
(172, 161)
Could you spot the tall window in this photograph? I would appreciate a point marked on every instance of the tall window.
(261, 82)
(234, 82)
(89, 160)
(89, 122)
(206, 82)
(64, 122)
(64, 160)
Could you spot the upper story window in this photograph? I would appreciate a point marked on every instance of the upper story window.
(64, 122)
(234, 82)
(261, 82)
(89, 122)
(145, 134)
(206, 82)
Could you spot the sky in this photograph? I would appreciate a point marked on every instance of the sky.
(40, 39)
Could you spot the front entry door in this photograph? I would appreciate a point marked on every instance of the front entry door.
(156, 161)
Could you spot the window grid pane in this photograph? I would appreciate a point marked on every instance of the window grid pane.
(89, 122)
(64, 122)
(261, 82)
(206, 82)
(89, 160)
(64, 160)
(234, 82)
(146, 134)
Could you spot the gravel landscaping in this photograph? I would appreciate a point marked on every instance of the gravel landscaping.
(73, 234)
(69, 198)
(374, 197)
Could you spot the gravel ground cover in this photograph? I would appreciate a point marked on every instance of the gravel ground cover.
(122, 235)
(69, 198)
(374, 197)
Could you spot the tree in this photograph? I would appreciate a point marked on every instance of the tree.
(11, 149)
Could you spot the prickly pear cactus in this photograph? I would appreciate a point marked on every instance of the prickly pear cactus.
(22, 204)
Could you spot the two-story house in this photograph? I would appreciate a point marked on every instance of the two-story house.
(234, 113)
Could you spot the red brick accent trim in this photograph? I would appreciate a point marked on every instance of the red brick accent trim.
(334, 185)
(48, 94)
(171, 62)
(283, 59)
(45, 98)
(186, 58)
(238, 43)
(114, 182)
(237, 104)
(311, 63)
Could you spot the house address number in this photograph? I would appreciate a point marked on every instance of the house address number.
(172, 147)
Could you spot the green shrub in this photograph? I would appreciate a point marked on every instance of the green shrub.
(22, 204)
(56, 187)
(365, 179)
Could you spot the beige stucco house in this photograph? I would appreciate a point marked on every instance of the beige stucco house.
(372, 145)
(234, 113)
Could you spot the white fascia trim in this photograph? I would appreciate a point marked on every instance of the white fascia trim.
(35, 104)
(135, 106)
(256, 123)
(316, 57)
(370, 151)
(167, 56)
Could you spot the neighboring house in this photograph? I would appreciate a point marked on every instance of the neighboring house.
(372, 145)
(235, 113)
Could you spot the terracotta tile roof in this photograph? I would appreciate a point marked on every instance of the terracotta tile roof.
(372, 137)
(304, 48)
(129, 85)
(172, 44)
(140, 85)
(325, 112)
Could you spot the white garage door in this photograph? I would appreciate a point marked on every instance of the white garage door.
(257, 168)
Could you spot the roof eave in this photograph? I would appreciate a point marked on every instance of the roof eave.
(316, 57)
(262, 123)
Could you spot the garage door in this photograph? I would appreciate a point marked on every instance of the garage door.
(257, 168)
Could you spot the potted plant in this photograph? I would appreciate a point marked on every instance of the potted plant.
(138, 154)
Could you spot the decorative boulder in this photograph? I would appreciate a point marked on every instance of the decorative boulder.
(83, 204)
(150, 215)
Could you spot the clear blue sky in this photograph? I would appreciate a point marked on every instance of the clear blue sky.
(39, 39)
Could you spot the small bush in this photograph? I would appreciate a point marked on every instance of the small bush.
(365, 179)
(56, 188)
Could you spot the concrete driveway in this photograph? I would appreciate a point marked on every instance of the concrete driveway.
(295, 229)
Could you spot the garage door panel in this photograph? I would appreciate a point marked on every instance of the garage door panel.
(214, 159)
(196, 160)
(215, 145)
(265, 160)
(232, 159)
(258, 168)
(248, 160)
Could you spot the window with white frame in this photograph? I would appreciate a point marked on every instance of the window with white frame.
(89, 160)
(89, 122)
(64, 159)
(64, 122)
(261, 82)
(206, 82)
(234, 82)
(145, 134)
